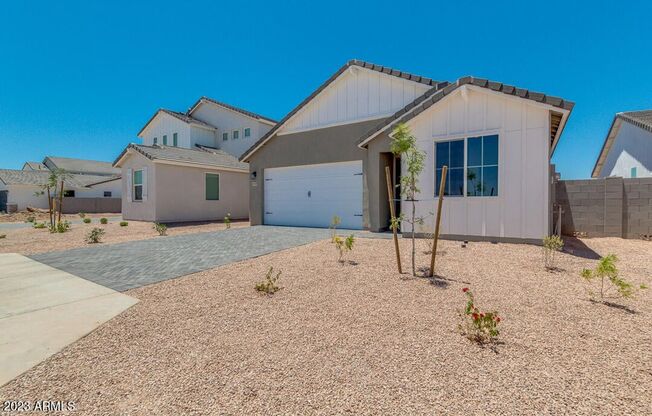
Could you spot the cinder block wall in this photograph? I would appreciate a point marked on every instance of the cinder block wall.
(610, 207)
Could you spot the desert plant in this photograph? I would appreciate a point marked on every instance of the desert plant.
(104, 221)
(95, 235)
(551, 245)
(86, 220)
(39, 225)
(404, 145)
(161, 229)
(335, 221)
(227, 221)
(3, 236)
(123, 223)
(606, 271)
(81, 215)
(343, 245)
(53, 186)
(481, 327)
(31, 219)
(269, 285)
(60, 227)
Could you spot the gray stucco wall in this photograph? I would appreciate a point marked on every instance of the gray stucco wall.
(611, 207)
(327, 145)
(139, 210)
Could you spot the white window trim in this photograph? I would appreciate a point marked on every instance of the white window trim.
(133, 186)
(219, 186)
(244, 132)
(227, 136)
(465, 137)
(233, 134)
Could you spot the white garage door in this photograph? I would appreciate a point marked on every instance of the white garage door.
(309, 196)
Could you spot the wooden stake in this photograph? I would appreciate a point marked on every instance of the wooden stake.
(390, 196)
(442, 186)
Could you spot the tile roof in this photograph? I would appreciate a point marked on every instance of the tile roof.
(40, 177)
(641, 119)
(202, 155)
(82, 166)
(180, 116)
(437, 93)
(231, 107)
(353, 62)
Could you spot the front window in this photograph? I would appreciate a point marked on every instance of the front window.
(138, 185)
(155, 141)
(69, 194)
(107, 194)
(236, 134)
(225, 136)
(479, 167)
(247, 132)
(165, 140)
(175, 140)
(212, 187)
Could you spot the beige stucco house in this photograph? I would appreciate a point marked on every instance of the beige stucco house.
(187, 168)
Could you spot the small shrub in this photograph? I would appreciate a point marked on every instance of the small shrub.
(104, 221)
(335, 221)
(123, 223)
(343, 245)
(95, 235)
(269, 285)
(551, 245)
(60, 227)
(39, 225)
(606, 271)
(3, 236)
(481, 327)
(161, 229)
(82, 215)
(86, 220)
(227, 221)
(31, 219)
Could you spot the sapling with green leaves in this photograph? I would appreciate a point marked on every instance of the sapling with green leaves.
(227, 221)
(161, 229)
(605, 276)
(95, 236)
(335, 221)
(413, 159)
(53, 187)
(343, 245)
(269, 285)
(551, 245)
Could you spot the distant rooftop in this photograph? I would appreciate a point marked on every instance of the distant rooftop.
(81, 166)
(201, 155)
(40, 177)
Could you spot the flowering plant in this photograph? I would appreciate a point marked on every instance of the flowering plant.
(478, 326)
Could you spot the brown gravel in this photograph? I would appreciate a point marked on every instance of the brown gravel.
(359, 338)
(30, 240)
(22, 216)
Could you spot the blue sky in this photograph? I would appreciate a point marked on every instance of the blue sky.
(80, 78)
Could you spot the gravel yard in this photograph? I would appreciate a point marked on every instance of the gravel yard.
(22, 216)
(30, 240)
(359, 338)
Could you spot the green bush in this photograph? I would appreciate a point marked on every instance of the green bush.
(87, 220)
(95, 235)
(104, 220)
(161, 229)
(606, 271)
(481, 327)
(551, 245)
(343, 245)
(31, 219)
(123, 223)
(269, 285)
(39, 225)
(227, 221)
(60, 227)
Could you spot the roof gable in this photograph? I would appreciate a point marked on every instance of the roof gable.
(81, 166)
(427, 82)
(200, 156)
(230, 107)
(177, 115)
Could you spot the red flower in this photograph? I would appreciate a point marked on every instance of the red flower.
(475, 316)
(482, 315)
(466, 289)
(497, 319)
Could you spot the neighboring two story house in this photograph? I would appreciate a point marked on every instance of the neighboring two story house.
(328, 155)
(627, 149)
(187, 167)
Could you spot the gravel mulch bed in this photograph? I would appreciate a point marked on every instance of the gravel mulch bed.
(359, 338)
(31, 241)
(22, 216)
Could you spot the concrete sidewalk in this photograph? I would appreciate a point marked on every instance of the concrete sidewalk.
(43, 309)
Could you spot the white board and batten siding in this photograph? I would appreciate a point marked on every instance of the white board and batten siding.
(357, 94)
(165, 124)
(310, 195)
(521, 208)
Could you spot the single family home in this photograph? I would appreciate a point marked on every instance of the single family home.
(627, 149)
(328, 155)
(187, 167)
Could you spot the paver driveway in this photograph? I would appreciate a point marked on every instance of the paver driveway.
(127, 265)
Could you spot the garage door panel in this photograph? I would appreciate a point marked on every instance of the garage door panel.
(310, 195)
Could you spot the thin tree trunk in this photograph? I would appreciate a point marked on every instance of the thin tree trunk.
(60, 201)
(50, 207)
(414, 208)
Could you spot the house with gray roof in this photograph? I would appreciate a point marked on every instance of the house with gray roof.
(627, 148)
(328, 155)
(187, 167)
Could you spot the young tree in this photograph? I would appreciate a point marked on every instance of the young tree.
(404, 145)
(54, 190)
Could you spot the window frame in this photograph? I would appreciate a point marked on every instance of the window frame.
(225, 136)
(110, 194)
(465, 137)
(165, 140)
(69, 193)
(134, 185)
(235, 134)
(175, 140)
(247, 132)
(155, 141)
(218, 185)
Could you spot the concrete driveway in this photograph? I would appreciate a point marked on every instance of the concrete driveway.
(133, 264)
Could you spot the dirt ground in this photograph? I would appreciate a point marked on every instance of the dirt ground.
(29, 240)
(360, 338)
(22, 216)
